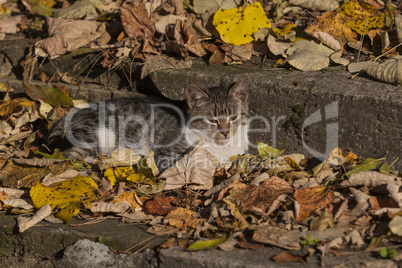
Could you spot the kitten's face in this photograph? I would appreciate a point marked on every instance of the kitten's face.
(218, 115)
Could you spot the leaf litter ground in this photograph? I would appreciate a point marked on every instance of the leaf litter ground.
(344, 205)
(339, 206)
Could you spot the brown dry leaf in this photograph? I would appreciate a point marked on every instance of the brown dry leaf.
(332, 24)
(321, 5)
(25, 175)
(67, 36)
(12, 25)
(167, 244)
(389, 71)
(248, 245)
(183, 219)
(377, 203)
(242, 53)
(26, 223)
(276, 47)
(261, 196)
(131, 198)
(288, 257)
(115, 207)
(160, 205)
(135, 20)
(163, 22)
(160, 62)
(196, 167)
(184, 37)
(162, 230)
(324, 221)
(80, 9)
(270, 233)
(312, 199)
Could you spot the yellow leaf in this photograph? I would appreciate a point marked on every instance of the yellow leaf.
(8, 107)
(361, 17)
(240, 221)
(67, 196)
(237, 25)
(142, 172)
(267, 151)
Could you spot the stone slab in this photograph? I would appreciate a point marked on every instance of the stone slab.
(366, 113)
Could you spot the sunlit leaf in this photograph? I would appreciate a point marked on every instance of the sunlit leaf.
(237, 25)
(66, 196)
(267, 151)
(10, 106)
(360, 16)
(206, 244)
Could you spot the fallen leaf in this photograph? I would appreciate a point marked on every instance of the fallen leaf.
(25, 175)
(26, 223)
(50, 95)
(395, 226)
(237, 25)
(288, 257)
(361, 16)
(240, 222)
(321, 5)
(196, 167)
(160, 205)
(312, 199)
(10, 106)
(389, 71)
(131, 198)
(206, 244)
(309, 56)
(119, 158)
(115, 207)
(67, 196)
(67, 36)
(135, 20)
(167, 244)
(267, 151)
(202, 6)
(260, 196)
(332, 24)
(322, 222)
(182, 218)
(269, 233)
(80, 9)
(248, 245)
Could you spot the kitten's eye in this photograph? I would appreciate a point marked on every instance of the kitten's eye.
(232, 118)
(213, 121)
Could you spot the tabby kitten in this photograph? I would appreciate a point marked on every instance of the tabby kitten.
(142, 124)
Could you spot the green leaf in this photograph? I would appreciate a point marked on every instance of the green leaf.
(50, 95)
(267, 151)
(392, 253)
(367, 165)
(383, 252)
(206, 244)
(40, 8)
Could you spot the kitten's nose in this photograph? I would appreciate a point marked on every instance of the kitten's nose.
(224, 132)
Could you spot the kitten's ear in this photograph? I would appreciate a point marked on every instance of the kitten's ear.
(194, 95)
(240, 90)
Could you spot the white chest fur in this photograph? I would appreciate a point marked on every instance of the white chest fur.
(237, 144)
